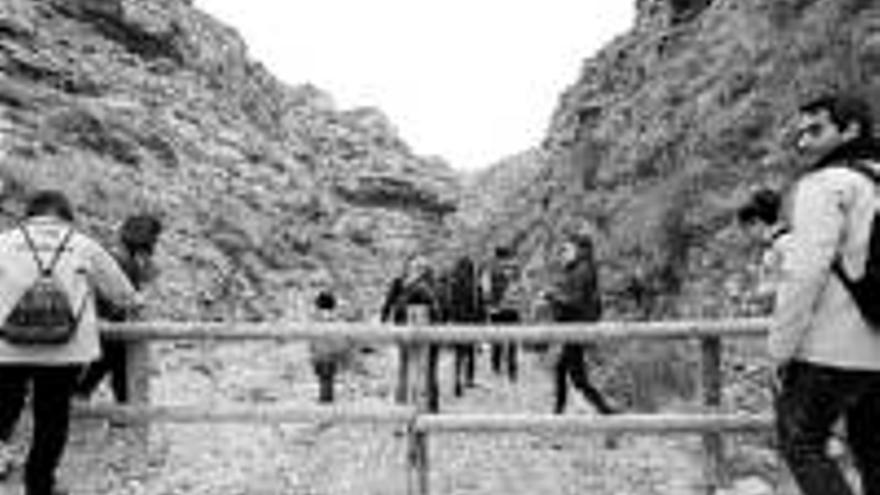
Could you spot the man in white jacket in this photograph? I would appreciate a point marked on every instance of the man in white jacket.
(827, 356)
(47, 239)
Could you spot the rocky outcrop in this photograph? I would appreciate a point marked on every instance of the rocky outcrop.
(668, 127)
(267, 189)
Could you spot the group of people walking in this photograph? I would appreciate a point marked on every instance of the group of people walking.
(822, 261)
(467, 294)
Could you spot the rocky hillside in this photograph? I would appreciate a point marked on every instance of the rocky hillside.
(665, 131)
(267, 190)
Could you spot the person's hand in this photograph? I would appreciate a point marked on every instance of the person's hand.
(778, 375)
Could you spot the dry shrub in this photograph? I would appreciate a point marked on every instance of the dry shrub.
(649, 375)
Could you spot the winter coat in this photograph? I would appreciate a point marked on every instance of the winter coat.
(83, 269)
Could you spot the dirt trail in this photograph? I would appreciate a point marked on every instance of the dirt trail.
(319, 459)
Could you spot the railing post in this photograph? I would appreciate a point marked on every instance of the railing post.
(138, 368)
(403, 363)
(713, 442)
(418, 391)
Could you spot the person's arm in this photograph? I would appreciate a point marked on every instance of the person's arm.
(391, 298)
(109, 280)
(818, 218)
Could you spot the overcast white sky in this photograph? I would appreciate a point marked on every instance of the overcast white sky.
(470, 80)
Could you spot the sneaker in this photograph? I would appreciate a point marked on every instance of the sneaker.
(6, 460)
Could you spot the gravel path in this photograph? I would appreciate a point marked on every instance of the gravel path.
(319, 459)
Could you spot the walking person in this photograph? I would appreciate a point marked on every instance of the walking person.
(575, 298)
(326, 355)
(464, 304)
(495, 284)
(138, 237)
(49, 275)
(826, 354)
(416, 287)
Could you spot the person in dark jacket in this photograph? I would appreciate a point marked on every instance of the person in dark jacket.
(138, 237)
(575, 298)
(416, 286)
(463, 303)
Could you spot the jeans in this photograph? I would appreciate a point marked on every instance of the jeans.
(571, 365)
(812, 398)
(52, 387)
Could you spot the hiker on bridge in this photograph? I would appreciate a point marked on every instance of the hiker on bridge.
(50, 274)
(138, 237)
(826, 352)
(574, 297)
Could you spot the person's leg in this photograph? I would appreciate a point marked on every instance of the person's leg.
(325, 371)
(512, 361)
(13, 391)
(433, 386)
(510, 316)
(116, 356)
(470, 364)
(812, 398)
(864, 436)
(581, 381)
(459, 352)
(560, 388)
(52, 389)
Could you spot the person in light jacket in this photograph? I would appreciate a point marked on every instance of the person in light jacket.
(83, 268)
(827, 357)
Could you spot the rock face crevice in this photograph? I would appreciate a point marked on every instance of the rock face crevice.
(268, 190)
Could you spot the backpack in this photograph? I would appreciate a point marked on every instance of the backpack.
(43, 314)
(866, 290)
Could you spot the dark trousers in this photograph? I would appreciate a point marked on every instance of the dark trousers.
(812, 398)
(504, 353)
(113, 361)
(465, 367)
(433, 383)
(326, 373)
(52, 387)
(571, 365)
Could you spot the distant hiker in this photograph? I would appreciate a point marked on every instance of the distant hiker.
(761, 218)
(826, 354)
(50, 274)
(416, 286)
(464, 304)
(575, 297)
(496, 281)
(138, 237)
(327, 355)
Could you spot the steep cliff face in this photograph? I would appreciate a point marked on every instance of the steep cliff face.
(669, 126)
(266, 189)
